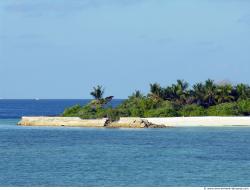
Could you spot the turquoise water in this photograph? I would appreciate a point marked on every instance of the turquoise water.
(45, 156)
(115, 157)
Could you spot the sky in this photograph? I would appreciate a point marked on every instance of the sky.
(62, 48)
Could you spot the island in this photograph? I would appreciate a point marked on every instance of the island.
(203, 104)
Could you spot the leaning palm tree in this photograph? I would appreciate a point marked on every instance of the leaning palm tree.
(97, 92)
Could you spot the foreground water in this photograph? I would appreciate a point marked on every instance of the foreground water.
(31, 156)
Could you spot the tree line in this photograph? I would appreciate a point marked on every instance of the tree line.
(204, 94)
(179, 99)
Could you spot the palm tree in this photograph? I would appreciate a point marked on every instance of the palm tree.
(97, 92)
(180, 91)
(198, 93)
(168, 93)
(210, 92)
(242, 91)
(156, 91)
(224, 93)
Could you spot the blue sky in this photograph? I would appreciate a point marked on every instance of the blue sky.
(62, 48)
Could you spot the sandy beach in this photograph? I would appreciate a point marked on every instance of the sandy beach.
(128, 121)
(208, 121)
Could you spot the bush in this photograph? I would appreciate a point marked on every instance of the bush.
(225, 109)
(72, 111)
(244, 107)
(136, 107)
(165, 109)
(87, 112)
(192, 110)
(161, 112)
(113, 114)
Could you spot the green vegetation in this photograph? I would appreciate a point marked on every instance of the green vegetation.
(202, 99)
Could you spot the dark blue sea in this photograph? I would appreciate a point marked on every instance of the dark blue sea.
(45, 156)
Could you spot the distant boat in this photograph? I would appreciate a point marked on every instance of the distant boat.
(37, 99)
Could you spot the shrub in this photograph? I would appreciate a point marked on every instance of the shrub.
(72, 111)
(113, 114)
(225, 109)
(161, 112)
(244, 107)
(165, 109)
(192, 110)
(87, 112)
(136, 107)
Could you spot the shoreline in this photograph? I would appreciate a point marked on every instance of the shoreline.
(134, 122)
(203, 121)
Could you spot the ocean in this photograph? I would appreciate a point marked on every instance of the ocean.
(44, 156)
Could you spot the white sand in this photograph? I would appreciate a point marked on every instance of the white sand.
(167, 121)
(201, 121)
